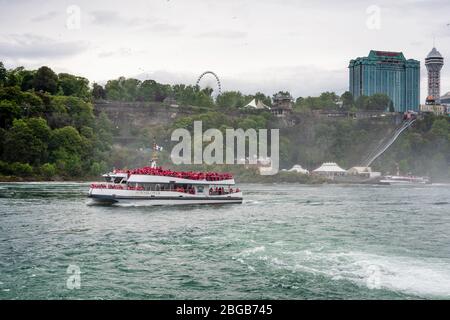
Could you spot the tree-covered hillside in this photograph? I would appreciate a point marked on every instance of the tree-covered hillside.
(47, 126)
(49, 130)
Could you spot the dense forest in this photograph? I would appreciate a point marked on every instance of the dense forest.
(49, 130)
(47, 125)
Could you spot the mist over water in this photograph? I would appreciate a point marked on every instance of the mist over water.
(285, 241)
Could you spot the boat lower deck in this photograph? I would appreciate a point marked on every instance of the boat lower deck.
(160, 198)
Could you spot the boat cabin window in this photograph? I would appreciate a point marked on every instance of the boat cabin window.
(118, 179)
(108, 179)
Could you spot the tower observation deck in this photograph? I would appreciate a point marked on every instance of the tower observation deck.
(434, 62)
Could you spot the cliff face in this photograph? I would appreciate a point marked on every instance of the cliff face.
(129, 117)
(317, 137)
(308, 138)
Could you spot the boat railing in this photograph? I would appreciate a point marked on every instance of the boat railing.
(108, 186)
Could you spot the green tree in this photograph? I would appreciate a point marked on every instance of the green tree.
(46, 80)
(98, 168)
(48, 170)
(67, 139)
(122, 89)
(263, 98)
(8, 112)
(73, 166)
(98, 92)
(379, 102)
(192, 95)
(27, 82)
(73, 111)
(347, 100)
(231, 99)
(74, 86)
(39, 128)
(3, 74)
(362, 102)
(13, 77)
(247, 123)
(21, 169)
(21, 145)
(440, 129)
(150, 90)
(11, 94)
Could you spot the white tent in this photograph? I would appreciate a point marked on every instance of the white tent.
(330, 169)
(363, 171)
(359, 170)
(251, 104)
(256, 105)
(298, 168)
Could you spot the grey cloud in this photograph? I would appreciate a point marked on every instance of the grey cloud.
(45, 17)
(165, 28)
(19, 46)
(223, 34)
(113, 18)
(121, 52)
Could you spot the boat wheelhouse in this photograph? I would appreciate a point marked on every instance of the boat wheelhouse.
(157, 186)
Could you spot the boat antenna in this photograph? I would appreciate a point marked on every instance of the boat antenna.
(154, 154)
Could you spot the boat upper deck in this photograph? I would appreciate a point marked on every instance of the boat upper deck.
(160, 175)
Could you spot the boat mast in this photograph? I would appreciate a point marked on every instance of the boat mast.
(154, 155)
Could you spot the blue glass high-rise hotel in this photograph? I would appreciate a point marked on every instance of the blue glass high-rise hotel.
(389, 73)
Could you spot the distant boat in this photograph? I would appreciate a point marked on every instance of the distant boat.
(404, 180)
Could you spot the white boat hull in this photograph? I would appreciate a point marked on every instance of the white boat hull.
(159, 198)
(391, 182)
(404, 180)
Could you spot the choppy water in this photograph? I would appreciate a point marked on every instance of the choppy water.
(284, 241)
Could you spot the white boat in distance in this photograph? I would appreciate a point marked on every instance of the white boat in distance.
(404, 180)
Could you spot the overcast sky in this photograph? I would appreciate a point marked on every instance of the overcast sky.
(257, 45)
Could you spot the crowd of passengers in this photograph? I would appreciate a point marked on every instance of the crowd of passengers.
(159, 171)
(188, 189)
(221, 190)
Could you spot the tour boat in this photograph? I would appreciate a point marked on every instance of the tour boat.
(404, 180)
(157, 186)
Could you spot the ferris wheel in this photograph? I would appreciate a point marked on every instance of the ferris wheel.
(219, 86)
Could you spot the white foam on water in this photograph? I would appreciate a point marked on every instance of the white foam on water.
(251, 201)
(127, 205)
(418, 276)
(146, 246)
(429, 277)
(250, 251)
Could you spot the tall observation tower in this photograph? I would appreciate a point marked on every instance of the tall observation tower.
(434, 62)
